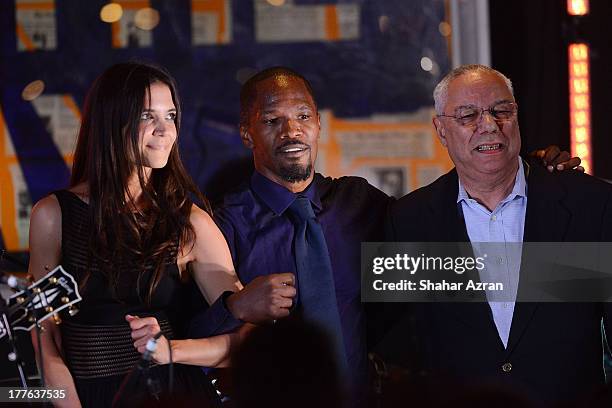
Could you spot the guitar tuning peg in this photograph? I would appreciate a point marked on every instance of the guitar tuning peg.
(65, 299)
(53, 280)
(72, 310)
(31, 319)
(48, 309)
(36, 290)
(20, 299)
(57, 319)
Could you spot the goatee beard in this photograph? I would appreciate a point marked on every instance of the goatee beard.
(295, 173)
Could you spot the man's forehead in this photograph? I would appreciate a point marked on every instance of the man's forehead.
(476, 87)
(279, 88)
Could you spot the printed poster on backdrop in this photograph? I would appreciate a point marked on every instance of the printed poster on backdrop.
(211, 22)
(62, 119)
(35, 25)
(396, 153)
(15, 202)
(301, 23)
(125, 33)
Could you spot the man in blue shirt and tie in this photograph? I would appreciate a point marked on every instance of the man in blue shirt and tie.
(280, 123)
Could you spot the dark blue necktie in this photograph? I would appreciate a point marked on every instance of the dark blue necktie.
(315, 281)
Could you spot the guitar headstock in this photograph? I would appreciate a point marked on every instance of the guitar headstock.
(49, 295)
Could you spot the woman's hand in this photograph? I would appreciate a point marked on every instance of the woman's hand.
(144, 329)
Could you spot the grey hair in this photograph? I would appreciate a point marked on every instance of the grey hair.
(440, 94)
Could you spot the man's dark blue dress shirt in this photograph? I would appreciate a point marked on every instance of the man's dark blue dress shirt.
(259, 232)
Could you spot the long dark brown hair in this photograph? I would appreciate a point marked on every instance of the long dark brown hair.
(106, 157)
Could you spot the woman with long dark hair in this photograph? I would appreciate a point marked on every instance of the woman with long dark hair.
(128, 231)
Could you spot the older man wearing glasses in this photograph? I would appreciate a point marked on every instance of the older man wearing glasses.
(552, 351)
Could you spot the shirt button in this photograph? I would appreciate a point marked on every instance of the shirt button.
(507, 367)
(505, 305)
(500, 260)
(494, 218)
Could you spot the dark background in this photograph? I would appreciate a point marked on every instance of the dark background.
(529, 42)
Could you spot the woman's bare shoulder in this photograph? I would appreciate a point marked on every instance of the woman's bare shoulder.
(45, 235)
(46, 212)
(205, 231)
(200, 219)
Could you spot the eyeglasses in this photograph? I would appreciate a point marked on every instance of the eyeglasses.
(471, 116)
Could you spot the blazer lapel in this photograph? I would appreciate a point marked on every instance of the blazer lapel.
(450, 224)
(546, 220)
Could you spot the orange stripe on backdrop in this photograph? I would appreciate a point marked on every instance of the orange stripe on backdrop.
(115, 41)
(449, 38)
(35, 6)
(208, 5)
(8, 214)
(23, 37)
(69, 159)
(9, 160)
(222, 24)
(69, 102)
(216, 6)
(332, 30)
(340, 124)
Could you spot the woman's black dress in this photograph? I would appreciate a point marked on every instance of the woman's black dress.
(96, 342)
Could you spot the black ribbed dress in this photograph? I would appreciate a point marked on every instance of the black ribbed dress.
(96, 342)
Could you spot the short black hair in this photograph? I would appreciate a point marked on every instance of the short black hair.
(248, 92)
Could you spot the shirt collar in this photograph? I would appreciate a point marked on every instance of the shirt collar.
(278, 198)
(519, 189)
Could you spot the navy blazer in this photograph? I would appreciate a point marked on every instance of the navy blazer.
(555, 349)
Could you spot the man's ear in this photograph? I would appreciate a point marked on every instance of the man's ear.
(247, 140)
(440, 131)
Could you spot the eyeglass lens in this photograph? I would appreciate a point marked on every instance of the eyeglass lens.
(500, 112)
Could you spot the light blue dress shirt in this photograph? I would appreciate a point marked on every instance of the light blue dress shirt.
(504, 225)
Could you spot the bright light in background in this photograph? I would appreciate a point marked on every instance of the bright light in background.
(444, 28)
(383, 23)
(111, 13)
(426, 64)
(580, 105)
(580, 92)
(577, 7)
(146, 18)
(33, 90)
(276, 2)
